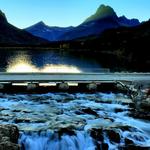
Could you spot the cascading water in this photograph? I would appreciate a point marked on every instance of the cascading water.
(49, 141)
(62, 121)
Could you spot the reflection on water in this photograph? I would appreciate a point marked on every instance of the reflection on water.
(60, 68)
(45, 61)
(25, 65)
(22, 63)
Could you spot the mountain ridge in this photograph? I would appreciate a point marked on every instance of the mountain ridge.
(104, 18)
(10, 35)
(51, 33)
(102, 12)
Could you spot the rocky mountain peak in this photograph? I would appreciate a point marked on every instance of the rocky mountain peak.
(102, 12)
(2, 17)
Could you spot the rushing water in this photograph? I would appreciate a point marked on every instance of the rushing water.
(62, 121)
(44, 61)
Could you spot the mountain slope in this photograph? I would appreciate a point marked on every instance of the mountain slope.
(104, 18)
(12, 35)
(50, 33)
(102, 12)
(128, 49)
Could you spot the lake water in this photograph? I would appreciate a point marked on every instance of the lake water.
(46, 61)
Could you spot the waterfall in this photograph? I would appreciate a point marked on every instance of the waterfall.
(99, 121)
(51, 141)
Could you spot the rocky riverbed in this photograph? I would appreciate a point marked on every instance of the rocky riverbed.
(89, 121)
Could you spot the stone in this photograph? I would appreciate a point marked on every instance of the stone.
(90, 112)
(63, 86)
(104, 146)
(9, 146)
(125, 128)
(92, 86)
(113, 135)
(128, 141)
(118, 110)
(142, 114)
(68, 131)
(32, 86)
(134, 147)
(97, 134)
(145, 104)
(9, 135)
(2, 86)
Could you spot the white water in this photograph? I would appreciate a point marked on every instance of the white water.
(53, 111)
(82, 141)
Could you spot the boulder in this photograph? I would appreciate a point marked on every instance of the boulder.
(9, 135)
(128, 141)
(92, 86)
(32, 86)
(113, 135)
(63, 86)
(90, 112)
(68, 131)
(134, 147)
(2, 86)
(97, 134)
(145, 104)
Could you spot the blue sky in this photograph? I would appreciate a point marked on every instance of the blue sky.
(23, 13)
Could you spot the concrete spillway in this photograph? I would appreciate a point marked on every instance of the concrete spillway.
(73, 77)
(85, 81)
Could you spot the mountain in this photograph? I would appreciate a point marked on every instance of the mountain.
(123, 48)
(104, 18)
(102, 12)
(49, 33)
(128, 22)
(10, 35)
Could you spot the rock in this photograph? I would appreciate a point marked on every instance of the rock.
(128, 141)
(92, 86)
(68, 131)
(2, 86)
(104, 146)
(126, 128)
(118, 110)
(29, 120)
(63, 86)
(9, 146)
(134, 147)
(145, 104)
(101, 146)
(97, 134)
(142, 114)
(90, 112)
(32, 86)
(113, 135)
(148, 92)
(2, 108)
(9, 135)
(22, 120)
(68, 99)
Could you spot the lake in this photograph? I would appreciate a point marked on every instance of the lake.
(46, 61)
